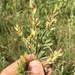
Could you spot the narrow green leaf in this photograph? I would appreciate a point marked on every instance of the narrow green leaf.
(49, 44)
(47, 41)
(41, 54)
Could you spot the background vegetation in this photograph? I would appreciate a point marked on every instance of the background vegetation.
(62, 33)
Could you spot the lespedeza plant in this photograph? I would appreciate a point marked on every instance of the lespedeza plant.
(38, 42)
